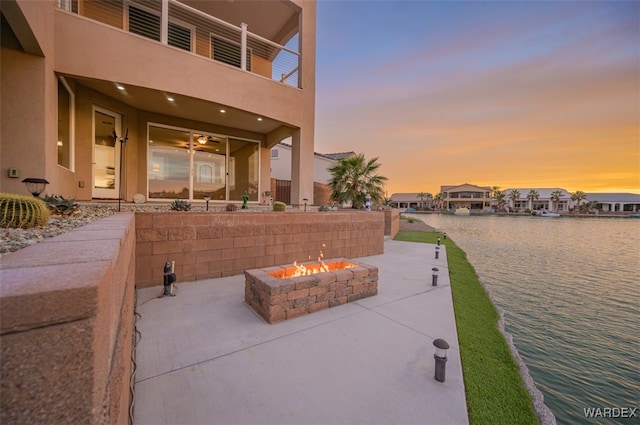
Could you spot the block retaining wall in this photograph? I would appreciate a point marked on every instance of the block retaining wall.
(215, 244)
(66, 329)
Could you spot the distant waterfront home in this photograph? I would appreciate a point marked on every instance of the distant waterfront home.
(405, 200)
(476, 198)
(615, 202)
(552, 199)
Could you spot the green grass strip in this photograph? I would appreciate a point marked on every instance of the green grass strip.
(494, 388)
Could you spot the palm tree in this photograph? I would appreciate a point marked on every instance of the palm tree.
(514, 196)
(588, 207)
(494, 190)
(429, 200)
(555, 197)
(533, 195)
(353, 178)
(438, 200)
(421, 196)
(500, 198)
(578, 196)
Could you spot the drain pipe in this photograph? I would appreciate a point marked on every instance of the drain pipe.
(169, 279)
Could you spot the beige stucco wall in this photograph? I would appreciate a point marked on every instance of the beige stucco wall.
(76, 46)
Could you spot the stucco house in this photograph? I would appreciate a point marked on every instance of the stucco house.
(466, 195)
(615, 202)
(545, 200)
(170, 99)
(281, 159)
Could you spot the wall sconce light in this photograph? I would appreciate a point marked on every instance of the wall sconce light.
(35, 186)
(434, 276)
(202, 140)
(441, 358)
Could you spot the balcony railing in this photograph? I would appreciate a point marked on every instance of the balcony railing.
(176, 24)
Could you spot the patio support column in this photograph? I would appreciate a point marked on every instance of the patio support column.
(302, 167)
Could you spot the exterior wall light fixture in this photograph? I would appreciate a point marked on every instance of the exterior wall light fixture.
(35, 186)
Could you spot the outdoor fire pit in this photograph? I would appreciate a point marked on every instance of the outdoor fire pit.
(284, 292)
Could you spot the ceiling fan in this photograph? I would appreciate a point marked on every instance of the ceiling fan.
(206, 139)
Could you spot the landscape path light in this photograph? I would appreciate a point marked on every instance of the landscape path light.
(438, 240)
(207, 198)
(441, 358)
(434, 276)
(35, 186)
(305, 203)
(437, 252)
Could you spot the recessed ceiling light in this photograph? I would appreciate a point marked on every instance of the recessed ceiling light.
(170, 99)
(259, 118)
(222, 111)
(119, 87)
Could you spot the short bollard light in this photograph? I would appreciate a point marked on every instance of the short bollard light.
(438, 240)
(207, 198)
(305, 203)
(445, 235)
(169, 279)
(367, 202)
(434, 276)
(441, 358)
(437, 252)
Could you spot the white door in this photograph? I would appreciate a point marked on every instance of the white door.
(106, 153)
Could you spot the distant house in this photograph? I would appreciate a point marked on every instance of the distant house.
(615, 202)
(543, 202)
(405, 200)
(281, 156)
(466, 195)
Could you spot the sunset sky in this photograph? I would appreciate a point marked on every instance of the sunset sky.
(510, 94)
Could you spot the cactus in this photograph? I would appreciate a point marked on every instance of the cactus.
(58, 205)
(179, 205)
(19, 211)
(279, 206)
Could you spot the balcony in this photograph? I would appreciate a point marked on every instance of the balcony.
(217, 30)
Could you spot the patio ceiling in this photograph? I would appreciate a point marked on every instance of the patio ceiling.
(183, 106)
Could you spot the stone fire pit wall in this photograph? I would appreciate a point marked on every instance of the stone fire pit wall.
(276, 299)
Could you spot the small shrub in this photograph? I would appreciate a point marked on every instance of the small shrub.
(279, 206)
(18, 211)
(231, 207)
(323, 208)
(180, 205)
(58, 205)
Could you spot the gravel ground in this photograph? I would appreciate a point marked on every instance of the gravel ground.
(14, 239)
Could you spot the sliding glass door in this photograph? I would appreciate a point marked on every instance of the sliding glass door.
(189, 164)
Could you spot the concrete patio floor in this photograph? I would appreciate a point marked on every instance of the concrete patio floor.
(204, 357)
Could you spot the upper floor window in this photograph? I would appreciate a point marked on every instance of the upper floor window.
(146, 23)
(65, 124)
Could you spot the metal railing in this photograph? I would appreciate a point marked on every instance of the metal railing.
(176, 24)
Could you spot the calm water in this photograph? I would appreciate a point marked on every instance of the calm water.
(570, 292)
